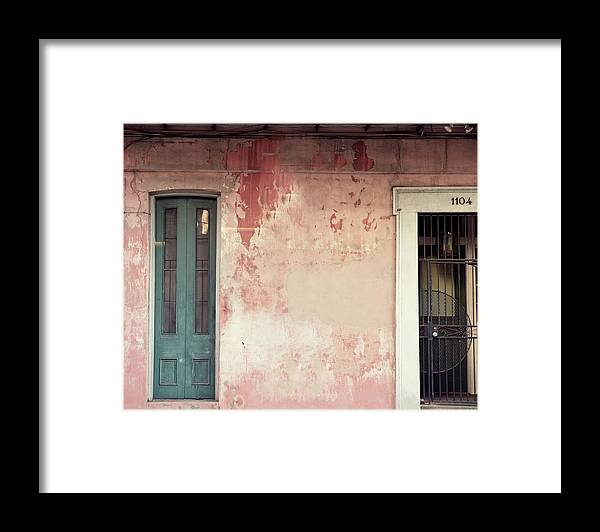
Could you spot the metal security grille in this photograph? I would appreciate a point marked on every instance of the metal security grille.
(448, 307)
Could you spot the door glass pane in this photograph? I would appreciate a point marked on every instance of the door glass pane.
(170, 273)
(201, 272)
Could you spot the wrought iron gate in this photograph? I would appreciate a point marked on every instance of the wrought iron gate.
(448, 307)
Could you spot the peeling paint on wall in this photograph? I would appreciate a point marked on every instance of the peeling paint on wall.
(368, 222)
(361, 161)
(261, 189)
(335, 223)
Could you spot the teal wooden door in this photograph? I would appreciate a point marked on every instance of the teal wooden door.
(184, 326)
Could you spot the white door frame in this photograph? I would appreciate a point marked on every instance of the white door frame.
(408, 202)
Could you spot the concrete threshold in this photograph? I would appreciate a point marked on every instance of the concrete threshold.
(449, 406)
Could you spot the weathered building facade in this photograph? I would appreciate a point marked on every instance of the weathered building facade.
(305, 261)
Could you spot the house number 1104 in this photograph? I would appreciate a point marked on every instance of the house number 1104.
(461, 201)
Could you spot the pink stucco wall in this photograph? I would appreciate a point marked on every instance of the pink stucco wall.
(307, 260)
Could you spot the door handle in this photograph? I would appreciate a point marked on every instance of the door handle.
(435, 332)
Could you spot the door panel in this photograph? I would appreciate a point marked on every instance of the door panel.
(169, 320)
(200, 298)
(184, 338)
